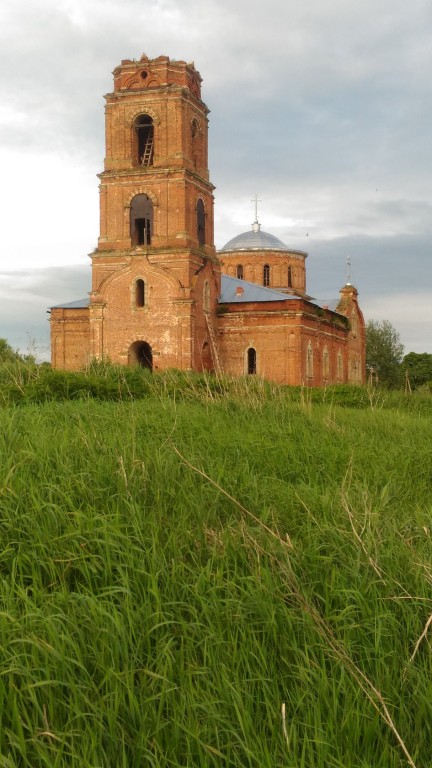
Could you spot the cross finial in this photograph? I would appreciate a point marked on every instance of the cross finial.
(256, 226)
(256, 201)
(348, 262)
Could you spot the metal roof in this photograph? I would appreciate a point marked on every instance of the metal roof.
(230, 292)
(255, 240)
(79, 304)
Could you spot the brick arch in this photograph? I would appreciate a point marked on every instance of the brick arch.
(148, 110)
(141, 191)
(110, 280)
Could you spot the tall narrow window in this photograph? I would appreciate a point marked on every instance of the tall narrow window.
(354, 324)
(309, 361)
(354, 369)
(251, 360)
(266, 275)
(339, 365)
(145, 139)
(290, 282)
(139, 293)
(141, 220)
(200, 213)
(326, 364)
(197, 144)
(239, 272)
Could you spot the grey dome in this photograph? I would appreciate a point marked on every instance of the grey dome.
(255, 240)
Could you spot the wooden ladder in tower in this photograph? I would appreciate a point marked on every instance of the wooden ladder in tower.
(148, 152)
(213, 344)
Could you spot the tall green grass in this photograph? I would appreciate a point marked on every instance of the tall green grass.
(215, 574)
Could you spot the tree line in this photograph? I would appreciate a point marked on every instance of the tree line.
(386, 363)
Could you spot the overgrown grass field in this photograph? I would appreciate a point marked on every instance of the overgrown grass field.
(213, 574)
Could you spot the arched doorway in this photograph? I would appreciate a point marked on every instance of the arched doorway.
(140, 353)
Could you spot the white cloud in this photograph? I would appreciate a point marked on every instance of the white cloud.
(323, 109)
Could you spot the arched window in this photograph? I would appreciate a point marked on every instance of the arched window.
(326, 363)
(141, 220)
(290, 275)
(139, 293)
(145, 139)
(354, 370)
(309, 361)
(251, 360)
(266, 275)
(200, 213)
(239, 272)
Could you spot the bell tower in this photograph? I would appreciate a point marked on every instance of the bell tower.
(155, 274)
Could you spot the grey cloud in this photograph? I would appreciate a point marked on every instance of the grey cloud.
(324, 109)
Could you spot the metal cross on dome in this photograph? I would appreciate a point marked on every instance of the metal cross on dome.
(256, 201)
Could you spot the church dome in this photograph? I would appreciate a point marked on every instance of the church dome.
(254, 240)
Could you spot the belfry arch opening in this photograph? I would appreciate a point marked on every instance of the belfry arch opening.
(140, 353)
(144, 130)
(141, 220)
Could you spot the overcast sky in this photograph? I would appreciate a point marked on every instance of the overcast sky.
(322, 109)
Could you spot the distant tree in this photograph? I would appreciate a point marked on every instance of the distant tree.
(384, 352)
(419, 367)
(9, 355)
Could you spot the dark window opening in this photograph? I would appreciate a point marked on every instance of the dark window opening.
(290, 277)
(239, 272)
(251, 360)
(139, 293)
(145, 134)
(141, 220)
(140, 353)
(266, 275)
(142, 227)
(200, 211)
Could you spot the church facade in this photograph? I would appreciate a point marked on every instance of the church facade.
(161, 296)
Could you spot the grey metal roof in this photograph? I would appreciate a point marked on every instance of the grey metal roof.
(251, 292)
(79, 304)
(255, 240)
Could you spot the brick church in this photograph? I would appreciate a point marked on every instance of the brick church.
(161, 296)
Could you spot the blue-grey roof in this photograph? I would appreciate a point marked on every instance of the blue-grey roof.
(79, 304)
(251, 292)
(255, 240)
